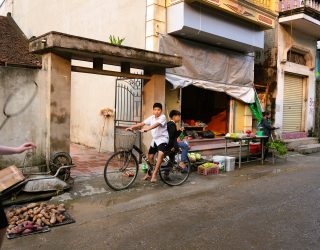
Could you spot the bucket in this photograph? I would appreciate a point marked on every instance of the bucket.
(230, 163)
(259, 133)
(219, 159)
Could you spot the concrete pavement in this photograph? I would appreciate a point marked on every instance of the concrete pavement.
(256, 207)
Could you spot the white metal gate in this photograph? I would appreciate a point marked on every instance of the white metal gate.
(293, 103)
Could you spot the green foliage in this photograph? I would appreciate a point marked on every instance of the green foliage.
(279, 146)
(116, 40)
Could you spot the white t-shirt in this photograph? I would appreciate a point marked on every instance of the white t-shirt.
(160, 133)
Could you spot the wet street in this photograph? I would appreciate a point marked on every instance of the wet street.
(257, 207)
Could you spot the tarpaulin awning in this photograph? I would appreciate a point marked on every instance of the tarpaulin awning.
(211, 68)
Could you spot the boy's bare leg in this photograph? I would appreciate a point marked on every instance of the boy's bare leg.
(156, 169)
(150, 158)
(2, 233)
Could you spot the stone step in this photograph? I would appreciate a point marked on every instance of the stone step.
(197, 142)
(293, 144)
(309, 149)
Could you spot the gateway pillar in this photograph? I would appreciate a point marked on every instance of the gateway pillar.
(154, 91)
(58, 102)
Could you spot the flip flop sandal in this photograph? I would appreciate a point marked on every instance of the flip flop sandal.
(128, 174)
(183, 170)
(148, 178)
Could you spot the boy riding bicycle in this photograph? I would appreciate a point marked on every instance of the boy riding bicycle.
(175, 117)
(158, 125)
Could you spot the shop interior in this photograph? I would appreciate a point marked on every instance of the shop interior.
(204, 110)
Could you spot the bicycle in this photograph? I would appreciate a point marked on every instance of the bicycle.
(122, 168)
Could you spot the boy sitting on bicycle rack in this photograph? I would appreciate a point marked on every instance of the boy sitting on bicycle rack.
(158, 125)
(175, 117)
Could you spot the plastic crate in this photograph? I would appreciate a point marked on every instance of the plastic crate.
(208, 171)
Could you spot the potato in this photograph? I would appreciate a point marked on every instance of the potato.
(45, 221)
(20, 221)
(10, 215)
(39, 222)
(53, 218)
(24, 209)
(52, 206)
(32, 205)
(45, 214)
(36, 210)
(18, 211)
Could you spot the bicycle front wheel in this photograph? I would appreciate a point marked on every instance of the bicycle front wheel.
(121, 170)
(172, 174)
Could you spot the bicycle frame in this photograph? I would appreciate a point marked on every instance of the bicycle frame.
(144, 157)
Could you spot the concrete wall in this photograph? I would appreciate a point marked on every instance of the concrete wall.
(31, 124)
(317, 115)
(213, 27)
(95, 19)
(284, 43)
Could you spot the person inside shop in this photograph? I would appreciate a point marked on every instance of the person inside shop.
(174, 133)
(157, 124)
(267, 129)
(4, 150)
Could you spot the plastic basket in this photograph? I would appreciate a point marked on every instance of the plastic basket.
(208, 171)
(125, 140)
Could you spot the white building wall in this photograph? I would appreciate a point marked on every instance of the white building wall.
(96, 19)
(284, 43)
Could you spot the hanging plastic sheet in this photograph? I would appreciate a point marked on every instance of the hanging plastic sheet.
(210, 68)
(256, 108)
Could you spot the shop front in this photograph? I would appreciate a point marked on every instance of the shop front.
(212, 88)
(217, 41)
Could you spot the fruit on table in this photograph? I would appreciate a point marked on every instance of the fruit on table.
(252, 135)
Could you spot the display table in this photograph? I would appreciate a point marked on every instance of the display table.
(246, 142)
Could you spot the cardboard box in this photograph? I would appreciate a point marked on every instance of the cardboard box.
(9, 177)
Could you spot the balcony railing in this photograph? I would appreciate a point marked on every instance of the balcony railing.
(285, 5)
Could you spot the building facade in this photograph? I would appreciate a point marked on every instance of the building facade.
(231, 32)
(211, 33)
(288, 72)
(96, 20)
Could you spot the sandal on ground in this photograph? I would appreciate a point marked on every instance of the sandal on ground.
(146, 178)
(128, 174)
(153, 180)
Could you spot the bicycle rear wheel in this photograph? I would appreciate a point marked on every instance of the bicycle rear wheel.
(121, 170)
(172, 174)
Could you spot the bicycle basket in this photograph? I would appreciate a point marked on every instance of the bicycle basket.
(125, 140)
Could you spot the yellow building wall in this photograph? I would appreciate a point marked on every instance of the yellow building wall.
(172, 100)
(243, 117)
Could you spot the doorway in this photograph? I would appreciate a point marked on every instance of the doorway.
(293, 103)
(205, 107)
